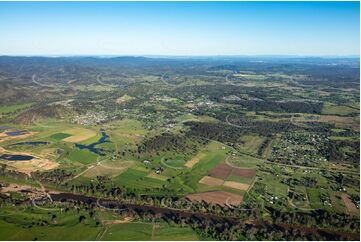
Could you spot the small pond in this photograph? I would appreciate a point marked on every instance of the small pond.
(16, 157)
(16, 133)
(30, 143)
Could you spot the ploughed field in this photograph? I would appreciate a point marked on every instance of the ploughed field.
(234, 138)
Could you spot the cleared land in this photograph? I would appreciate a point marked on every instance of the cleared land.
(211, 181)
(217, 197)
(124, 99)
(236, 185)
(243, 172)
(351, 208)
(37, 163)
(79, 134)
(194, 160)
(223, 171)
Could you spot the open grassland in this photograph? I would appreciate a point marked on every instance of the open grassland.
(79, 134)
(190, 163)
(59, 136)
(251, 144)
(13, 108)
(31, 223)
(217, 197)
(148, 231)
(129, 231)
(82, 156)
(339, 121)
(127, 126)
(244, 161)
(341, 110)
(36, 224)
(109, 168)
(137, 179)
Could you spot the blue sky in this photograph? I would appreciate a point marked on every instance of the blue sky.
(179, 28)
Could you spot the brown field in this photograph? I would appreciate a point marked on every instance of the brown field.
(221, 171)
(243, 172)
(211, 181)
(236, 185)
(79, 134)
(217, 197)
(351, 207)
(194, 160)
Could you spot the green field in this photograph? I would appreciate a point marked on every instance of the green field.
(14, 108)
(133, 178)
(65, 226)
(245, 161)
(59, 136)
(251, 144)
(341, 110)
(145, 231)
(82, 156)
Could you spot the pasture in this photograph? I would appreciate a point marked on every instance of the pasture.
(79, 134)
(138, 230)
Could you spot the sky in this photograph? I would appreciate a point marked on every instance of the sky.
(180, 28)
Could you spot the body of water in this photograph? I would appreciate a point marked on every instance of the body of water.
(16, 133)
(10, 157)
(30, 143)
(91, 147)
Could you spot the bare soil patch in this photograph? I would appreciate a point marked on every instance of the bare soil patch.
(221, 171)
(236, 185)
(123, 221)
(243, 172)
(37, 163)
(351, 207)
(211, 181)
(194, 160)
(79, 134)
(124, 99)
(217, 197)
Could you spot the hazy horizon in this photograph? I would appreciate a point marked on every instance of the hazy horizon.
(179, 28)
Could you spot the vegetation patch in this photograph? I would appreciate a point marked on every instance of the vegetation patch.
(79, 134)
(190, 163)
(217, 197)
(60, 136)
